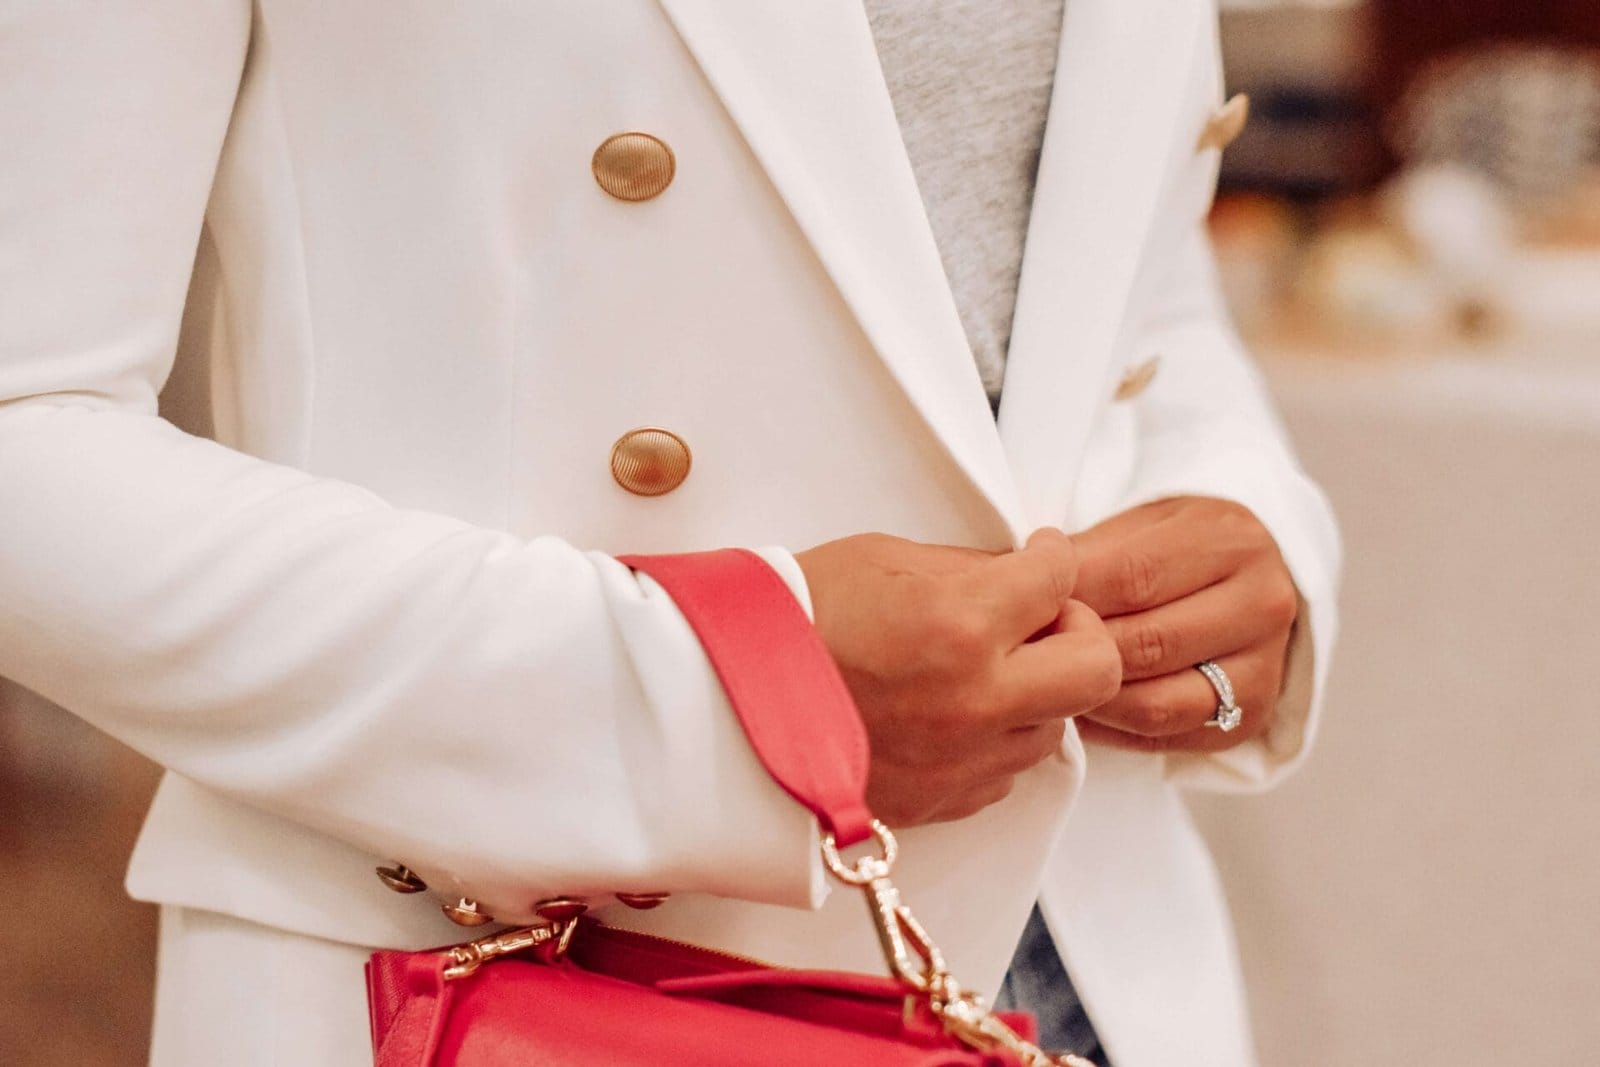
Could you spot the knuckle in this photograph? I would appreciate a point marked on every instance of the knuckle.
(1145, 647)
(1099, 665)
(1152, 718)
(1062, 570)
(1105, 675)
(1138, 577)
(1232, 513)
(999, 790)
(1242, 529)
(1053, 734)
(1044, 740)
(1282, 604)
(962, 635)
(1079, 618)
(1160, 720)
(950, 634)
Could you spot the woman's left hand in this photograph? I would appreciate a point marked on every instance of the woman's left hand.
(1178, 582)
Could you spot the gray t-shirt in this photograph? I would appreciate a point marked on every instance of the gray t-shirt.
(970, 81)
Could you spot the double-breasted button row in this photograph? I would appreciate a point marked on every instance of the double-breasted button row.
(636, 166)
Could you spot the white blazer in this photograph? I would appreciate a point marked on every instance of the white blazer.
(380, 621)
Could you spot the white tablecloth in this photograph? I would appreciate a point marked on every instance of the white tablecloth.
(1427, 892)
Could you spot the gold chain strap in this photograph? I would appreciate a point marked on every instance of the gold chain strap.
(916, 961)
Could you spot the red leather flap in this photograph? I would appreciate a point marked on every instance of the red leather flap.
(780, 678)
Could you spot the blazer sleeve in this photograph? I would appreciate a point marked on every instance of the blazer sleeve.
(514, 712)
(1206, 427)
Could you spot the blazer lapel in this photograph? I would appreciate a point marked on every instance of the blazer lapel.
(1118, 95)
(803, 84)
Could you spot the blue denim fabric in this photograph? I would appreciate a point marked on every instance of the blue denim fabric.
(1037, 982)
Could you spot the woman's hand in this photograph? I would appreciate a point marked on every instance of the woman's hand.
(1177, 582)
(965, 665)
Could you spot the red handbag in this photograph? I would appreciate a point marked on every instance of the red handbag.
(571, 991)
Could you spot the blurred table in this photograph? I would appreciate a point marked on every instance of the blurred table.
(1427, 892)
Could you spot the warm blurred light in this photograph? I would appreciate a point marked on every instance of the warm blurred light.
(1260, 4)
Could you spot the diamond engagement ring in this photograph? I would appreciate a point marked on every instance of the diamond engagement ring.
(1228, 715)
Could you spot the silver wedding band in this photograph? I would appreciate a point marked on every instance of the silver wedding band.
(1229, 714)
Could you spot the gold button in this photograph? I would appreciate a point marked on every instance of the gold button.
(1138, 379)
(466, 913)
(401, 879)
(650, 461)
(560, 909)
(1225, 126)
(634, 166)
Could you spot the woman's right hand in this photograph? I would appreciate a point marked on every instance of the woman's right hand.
(965, 664)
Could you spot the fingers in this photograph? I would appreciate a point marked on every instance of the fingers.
(1172, 710)
(1221, 618)
(1147, 566)
(1120, 526)
(1026, 591)
(1067, 673)
(1162, 551)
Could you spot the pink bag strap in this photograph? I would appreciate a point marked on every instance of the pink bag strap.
(780, 678)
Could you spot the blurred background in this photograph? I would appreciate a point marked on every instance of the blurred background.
(1409, 233)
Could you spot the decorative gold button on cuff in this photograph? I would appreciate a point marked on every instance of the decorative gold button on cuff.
(1138, 379)
(643, 901)
(401, 879)
(1225, 126)
(560, 909)
(634, 166)
(465, 913)
(650, 461)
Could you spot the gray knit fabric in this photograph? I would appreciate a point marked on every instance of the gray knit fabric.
(970, 80)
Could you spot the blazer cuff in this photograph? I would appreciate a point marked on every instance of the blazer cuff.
(779, 841)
